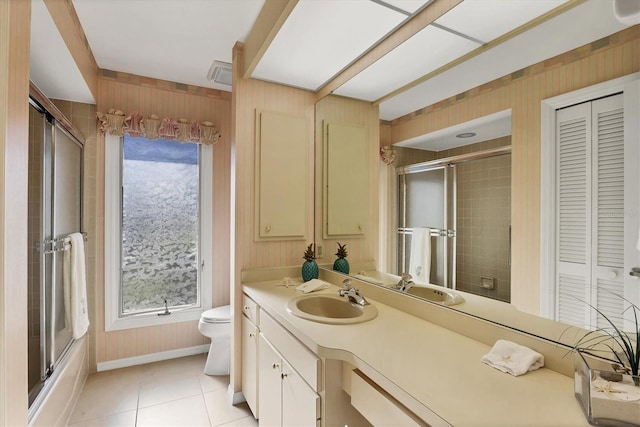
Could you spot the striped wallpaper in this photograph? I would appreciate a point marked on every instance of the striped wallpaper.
(523, 91)
(130, 93)
(249, 95)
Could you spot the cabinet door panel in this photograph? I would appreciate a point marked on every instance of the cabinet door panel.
(250, 364)
(282, 175)
(269, 384)
(300, 404)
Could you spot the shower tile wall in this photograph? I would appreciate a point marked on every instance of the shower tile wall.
(483, 220)
(34, 213)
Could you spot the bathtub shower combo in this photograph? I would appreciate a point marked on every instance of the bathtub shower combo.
(55, 212)
(453, 224)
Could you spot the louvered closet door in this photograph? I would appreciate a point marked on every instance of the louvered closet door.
(608, 214)
(573, 223)
(591, 217)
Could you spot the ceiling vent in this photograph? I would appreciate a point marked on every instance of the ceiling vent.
(220, 73)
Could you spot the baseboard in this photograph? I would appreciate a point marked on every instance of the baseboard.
(152, 357)
(235, 397)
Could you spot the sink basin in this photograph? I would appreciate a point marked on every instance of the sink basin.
(442, 296)
(327, 308)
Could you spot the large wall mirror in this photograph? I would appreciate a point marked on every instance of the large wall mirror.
(460, 193)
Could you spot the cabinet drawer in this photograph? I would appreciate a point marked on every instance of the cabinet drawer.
(250, 309)
(378, 406)
(298, 356)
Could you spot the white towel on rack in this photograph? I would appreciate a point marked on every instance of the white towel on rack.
(420, 255)
(75, 286)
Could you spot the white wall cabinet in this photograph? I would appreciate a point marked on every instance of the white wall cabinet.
(345, 180)
(282, 176)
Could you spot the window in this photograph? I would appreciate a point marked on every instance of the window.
(157, 211)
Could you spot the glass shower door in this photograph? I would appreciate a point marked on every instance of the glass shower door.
(67, 210)
(55, 210)
(424, 203)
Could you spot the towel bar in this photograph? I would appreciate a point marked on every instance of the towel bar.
(434, 232)
(60, 244)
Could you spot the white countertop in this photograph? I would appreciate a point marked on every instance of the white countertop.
(439, 368)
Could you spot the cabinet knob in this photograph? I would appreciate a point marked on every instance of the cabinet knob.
(275, 366)
(245, 308)
(267, 228)
(283, 375)
(252, 335)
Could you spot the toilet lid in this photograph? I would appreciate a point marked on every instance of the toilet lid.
(217, 315)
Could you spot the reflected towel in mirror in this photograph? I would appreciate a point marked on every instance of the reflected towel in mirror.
(420, 255)
(513, 358)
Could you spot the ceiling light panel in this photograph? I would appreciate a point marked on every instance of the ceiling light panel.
(321, 37)
(487, 20)
(423, 53)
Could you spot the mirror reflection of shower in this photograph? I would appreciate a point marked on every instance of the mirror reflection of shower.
(454, 222)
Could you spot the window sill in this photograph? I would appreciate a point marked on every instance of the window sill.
(152, 319)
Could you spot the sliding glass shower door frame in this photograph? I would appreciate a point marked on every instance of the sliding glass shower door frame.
(449, 216)
(56, 173)
(449, 166)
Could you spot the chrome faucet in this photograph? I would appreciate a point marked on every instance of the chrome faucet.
(405, 283)
(352, 293)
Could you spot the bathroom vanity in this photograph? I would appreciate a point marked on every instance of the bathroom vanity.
(395, 369)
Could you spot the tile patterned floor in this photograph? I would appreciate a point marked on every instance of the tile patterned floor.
(169, 393)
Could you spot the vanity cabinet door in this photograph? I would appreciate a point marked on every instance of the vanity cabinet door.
(250, 364)
(285, 398)
(269, 384)
(300, 404)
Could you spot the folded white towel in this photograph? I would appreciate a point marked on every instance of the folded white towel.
(75, 286)
(312, 285)
(420, 255)
(513, 358)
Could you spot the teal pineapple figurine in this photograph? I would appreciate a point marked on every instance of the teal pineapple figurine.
(309, 267)
(341, 264)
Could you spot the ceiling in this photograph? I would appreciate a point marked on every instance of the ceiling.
(178, 40)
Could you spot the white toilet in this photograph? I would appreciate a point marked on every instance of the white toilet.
(216, 324)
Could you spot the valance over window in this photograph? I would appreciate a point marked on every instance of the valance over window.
(115, 122)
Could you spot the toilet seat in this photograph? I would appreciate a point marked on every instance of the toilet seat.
(217, 315)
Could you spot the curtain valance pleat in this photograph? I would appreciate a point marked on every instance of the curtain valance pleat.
(115, 122)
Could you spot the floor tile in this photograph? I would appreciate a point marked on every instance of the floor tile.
(221, 411)
(182, 366)
(106, 394)
(183, 412)
(213, 382)
(123, 419)
(167, 388)
(242, 422)
(173, 392)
